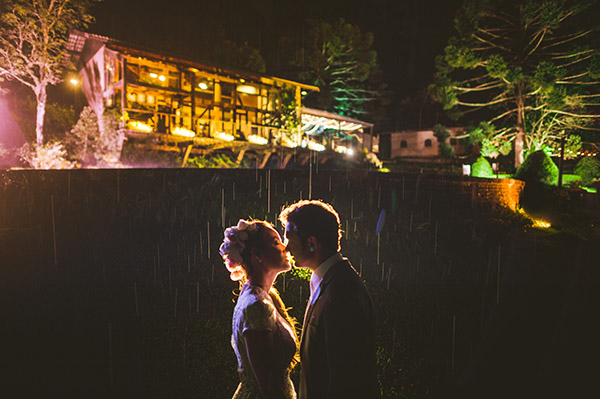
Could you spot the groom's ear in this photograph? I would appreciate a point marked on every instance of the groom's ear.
(311, 242)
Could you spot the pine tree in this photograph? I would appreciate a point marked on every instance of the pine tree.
(530, 68)
(339, 59)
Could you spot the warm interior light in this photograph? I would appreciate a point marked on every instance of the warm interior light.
(247, 89)
(74, 82)
(162, 78)
(257, 139)
(153, 75)
(223, 136)
(139, 126)
(303, 92)
(203, 85)
(288, 143)
(315, 146)
(180, 131)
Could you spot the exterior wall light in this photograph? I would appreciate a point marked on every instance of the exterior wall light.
(247, 89)
(179, 131)
(257, 139)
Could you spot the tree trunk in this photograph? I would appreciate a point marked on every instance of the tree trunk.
(560, 160)
(519, 146)
(520, 133)
(41, 97)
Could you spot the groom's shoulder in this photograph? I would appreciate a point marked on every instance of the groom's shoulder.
(345, 275)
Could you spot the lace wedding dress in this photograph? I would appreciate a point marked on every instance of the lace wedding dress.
(255, 310)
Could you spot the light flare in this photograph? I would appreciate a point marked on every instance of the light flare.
(315, 146)
(180, 131)
(139, 126)
(257, 139)
(223, 136)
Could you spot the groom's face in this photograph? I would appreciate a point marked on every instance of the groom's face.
(295, 245)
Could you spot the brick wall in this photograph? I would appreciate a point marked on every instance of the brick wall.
(495, 192)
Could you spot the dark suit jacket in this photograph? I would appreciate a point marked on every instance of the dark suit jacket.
(337, 348)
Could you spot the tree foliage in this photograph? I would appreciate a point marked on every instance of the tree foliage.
(491, 143)
(234, 55)
(340, 60)
(588, 168)
(442, 134)
(33, 38)
(531, 69)
(91, 145)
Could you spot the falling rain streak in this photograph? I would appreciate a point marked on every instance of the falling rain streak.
(408, 252)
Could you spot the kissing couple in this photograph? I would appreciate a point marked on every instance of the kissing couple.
(336, 350)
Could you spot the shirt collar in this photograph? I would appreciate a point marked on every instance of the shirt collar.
(319, 273)
(324, 267)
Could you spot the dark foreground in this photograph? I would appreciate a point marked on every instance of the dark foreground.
(111, 284)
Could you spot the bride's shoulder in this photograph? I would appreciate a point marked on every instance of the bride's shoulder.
(252, 295)
(255, 309)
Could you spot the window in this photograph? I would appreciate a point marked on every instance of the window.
(403, 144)
(428, 143)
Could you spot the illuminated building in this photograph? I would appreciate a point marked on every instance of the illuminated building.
(176, 99)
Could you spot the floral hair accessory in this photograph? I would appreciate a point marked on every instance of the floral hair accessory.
(234, 245)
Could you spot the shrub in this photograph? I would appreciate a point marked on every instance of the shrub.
(588, 169)
(482, 168)
(47, 156)
(216, 160)
(538, 168)
(442, 134)
(94, 143)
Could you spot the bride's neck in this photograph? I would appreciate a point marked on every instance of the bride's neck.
(264, 281)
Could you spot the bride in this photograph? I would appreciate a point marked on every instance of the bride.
(264, 337)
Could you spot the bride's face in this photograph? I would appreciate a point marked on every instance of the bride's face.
(273, 254)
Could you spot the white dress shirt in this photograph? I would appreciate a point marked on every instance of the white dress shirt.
(319, 273)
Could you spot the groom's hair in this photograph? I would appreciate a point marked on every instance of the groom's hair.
(314, 218)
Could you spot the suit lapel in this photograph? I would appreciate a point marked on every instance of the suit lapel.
(307, 315)
(309, 308)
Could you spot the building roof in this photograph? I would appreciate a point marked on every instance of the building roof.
(77, 40)
(329, 120)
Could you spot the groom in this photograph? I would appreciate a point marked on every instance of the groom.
(337, 348)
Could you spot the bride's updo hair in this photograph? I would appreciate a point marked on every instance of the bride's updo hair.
(237, 245)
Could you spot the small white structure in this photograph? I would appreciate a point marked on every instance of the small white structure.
(423, 143)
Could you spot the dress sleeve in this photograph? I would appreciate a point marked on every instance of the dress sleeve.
(259, 316)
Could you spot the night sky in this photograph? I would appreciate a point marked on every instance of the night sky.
(408, 33)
